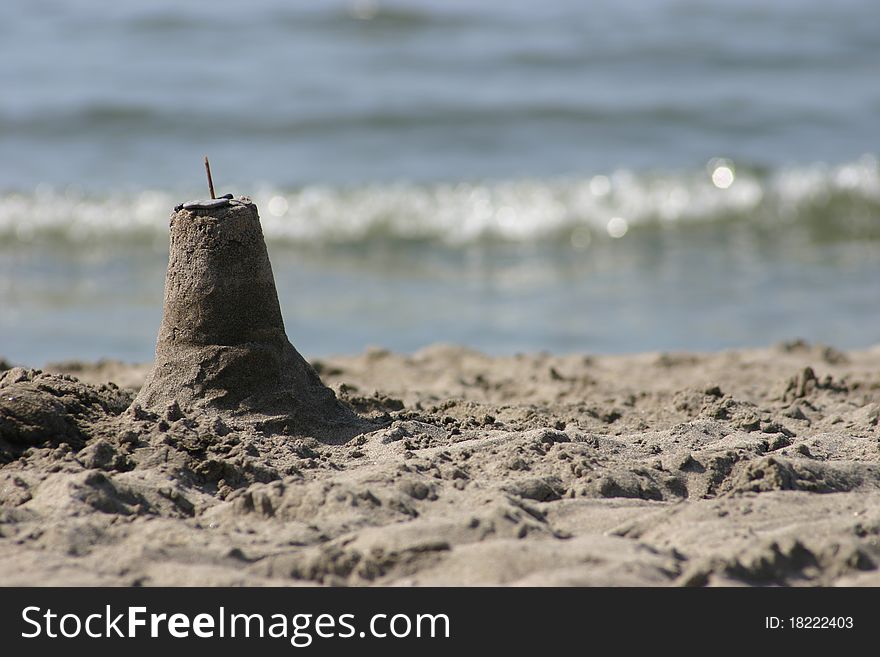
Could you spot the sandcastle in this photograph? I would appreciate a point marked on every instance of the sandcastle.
(222, 344)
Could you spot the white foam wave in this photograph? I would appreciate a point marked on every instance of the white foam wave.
(519, 211)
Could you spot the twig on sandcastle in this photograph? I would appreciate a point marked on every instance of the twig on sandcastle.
(210, 180)
(222, 344)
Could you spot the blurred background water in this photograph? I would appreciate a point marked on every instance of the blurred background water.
(600, 176)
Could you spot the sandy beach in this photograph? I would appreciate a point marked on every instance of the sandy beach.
(421, 325)
(748, 467)
(621, 269)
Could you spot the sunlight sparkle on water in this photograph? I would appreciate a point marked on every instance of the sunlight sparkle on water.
(617, 227)
(723, 173)
(278, 206)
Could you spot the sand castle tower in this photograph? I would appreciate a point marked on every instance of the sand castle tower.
(222, 344)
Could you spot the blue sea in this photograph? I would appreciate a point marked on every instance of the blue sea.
(604, 176)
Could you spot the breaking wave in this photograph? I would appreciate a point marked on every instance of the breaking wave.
(834, 202)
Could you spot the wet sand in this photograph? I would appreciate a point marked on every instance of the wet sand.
(750, 467)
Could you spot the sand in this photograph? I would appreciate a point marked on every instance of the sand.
(751, 467)
(222, 347)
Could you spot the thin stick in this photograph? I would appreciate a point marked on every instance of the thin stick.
(210, 180)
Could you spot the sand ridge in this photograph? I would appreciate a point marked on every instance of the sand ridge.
(751, 467)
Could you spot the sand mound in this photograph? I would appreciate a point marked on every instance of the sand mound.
(222, 344)
(39, 408)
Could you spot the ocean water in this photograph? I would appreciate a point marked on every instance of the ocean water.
(514, 176)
